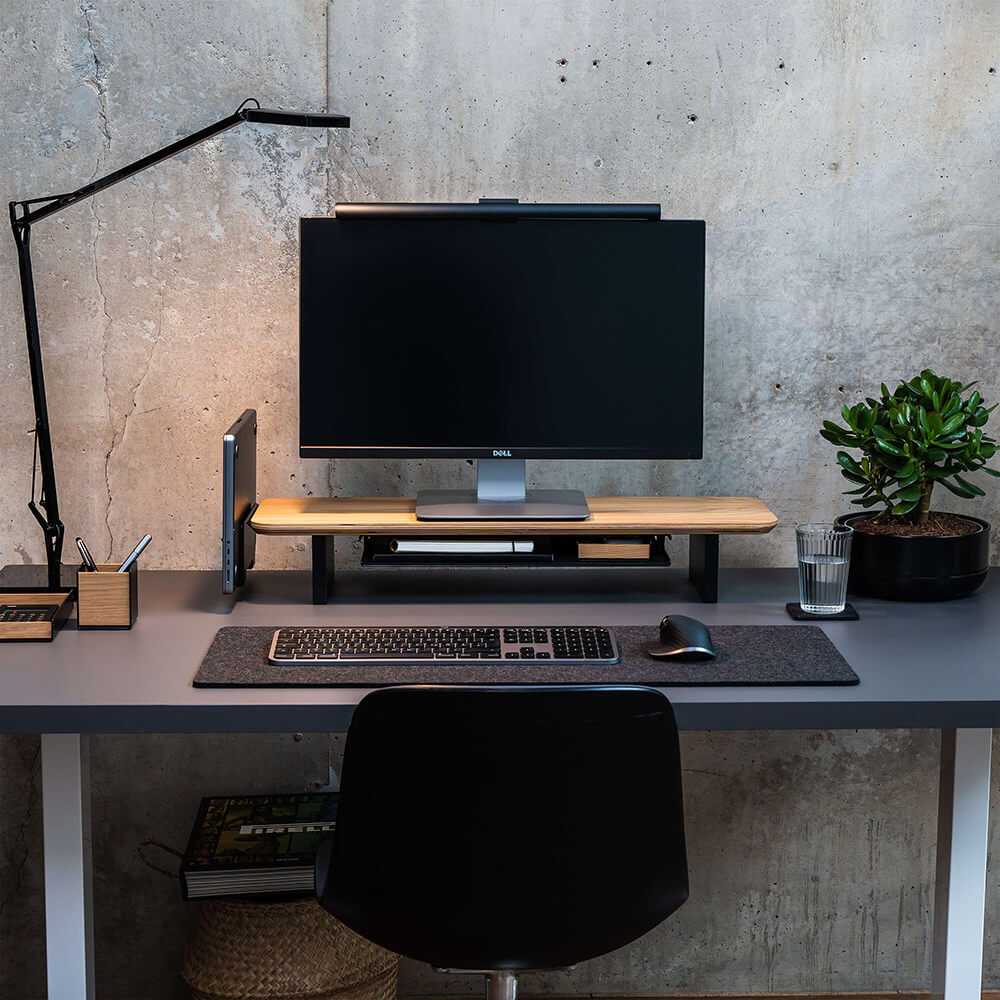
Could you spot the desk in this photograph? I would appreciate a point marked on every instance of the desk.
(947, 678)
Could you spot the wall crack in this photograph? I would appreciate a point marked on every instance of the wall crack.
(98, 81)
(22, 838)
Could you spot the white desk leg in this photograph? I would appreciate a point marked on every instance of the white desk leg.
(960, 885)
(69, 915)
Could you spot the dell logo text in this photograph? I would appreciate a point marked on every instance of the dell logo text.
(501, 453)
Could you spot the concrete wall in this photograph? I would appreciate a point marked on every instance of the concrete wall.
(844, 156)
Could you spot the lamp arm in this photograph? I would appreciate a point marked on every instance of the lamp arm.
(52, 527)
(53, 203)
(22, 215)
(269, 116)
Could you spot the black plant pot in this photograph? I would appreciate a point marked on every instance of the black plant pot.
(918, 568)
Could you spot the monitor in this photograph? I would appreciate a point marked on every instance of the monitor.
(501, 335)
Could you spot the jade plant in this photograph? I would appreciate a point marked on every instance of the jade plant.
(922, 434)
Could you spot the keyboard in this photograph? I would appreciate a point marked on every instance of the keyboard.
(454, 644)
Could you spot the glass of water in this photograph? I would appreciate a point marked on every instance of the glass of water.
(824, 558)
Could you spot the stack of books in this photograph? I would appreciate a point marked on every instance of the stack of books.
(257, 845)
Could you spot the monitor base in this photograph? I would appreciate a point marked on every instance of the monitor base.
(537, 505)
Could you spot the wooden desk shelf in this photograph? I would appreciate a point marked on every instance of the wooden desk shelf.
(703, 519)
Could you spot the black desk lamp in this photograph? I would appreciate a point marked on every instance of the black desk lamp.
(22, 215)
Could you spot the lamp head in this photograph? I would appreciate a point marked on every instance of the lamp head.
(272, 116)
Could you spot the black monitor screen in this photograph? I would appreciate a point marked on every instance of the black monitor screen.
(541, 338)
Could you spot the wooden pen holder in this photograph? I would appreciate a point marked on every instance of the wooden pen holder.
(107, 598)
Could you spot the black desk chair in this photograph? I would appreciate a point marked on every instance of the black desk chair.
(502, 829)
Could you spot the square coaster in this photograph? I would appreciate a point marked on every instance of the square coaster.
(847, 615)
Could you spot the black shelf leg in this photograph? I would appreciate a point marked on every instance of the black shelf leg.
(703, 566)
(322, 570)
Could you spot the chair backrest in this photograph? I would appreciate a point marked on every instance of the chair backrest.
(508, 827)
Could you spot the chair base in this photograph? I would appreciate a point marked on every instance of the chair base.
(501, 984)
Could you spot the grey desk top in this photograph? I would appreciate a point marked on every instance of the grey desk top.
(921, 665)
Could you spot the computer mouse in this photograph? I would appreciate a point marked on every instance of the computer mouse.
(683, 638)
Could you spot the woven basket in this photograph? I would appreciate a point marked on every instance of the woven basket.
(283, 951)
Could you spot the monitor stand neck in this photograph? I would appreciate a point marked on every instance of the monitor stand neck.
(500, 479)
(500, 495)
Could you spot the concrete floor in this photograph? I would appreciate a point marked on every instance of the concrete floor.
(844, 158)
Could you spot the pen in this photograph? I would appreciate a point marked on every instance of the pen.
(88, 559)
(134, 554)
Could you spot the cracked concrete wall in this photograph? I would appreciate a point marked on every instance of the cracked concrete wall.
(844, 157)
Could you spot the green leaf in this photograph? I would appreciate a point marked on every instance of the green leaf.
(836, 439)
(849, 464)
(973, 400)
(953, 423)
(851, 478)
(972, 487)
(927, 389)
(909, 493)
(890, 449)
(991, 472)
(903, 508)
(957, 490)
(848, 414)
(867, 501)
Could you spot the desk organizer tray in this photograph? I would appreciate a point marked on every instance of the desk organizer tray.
(35, 597)
(745, 655)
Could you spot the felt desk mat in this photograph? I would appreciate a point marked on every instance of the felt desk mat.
(745, 654)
